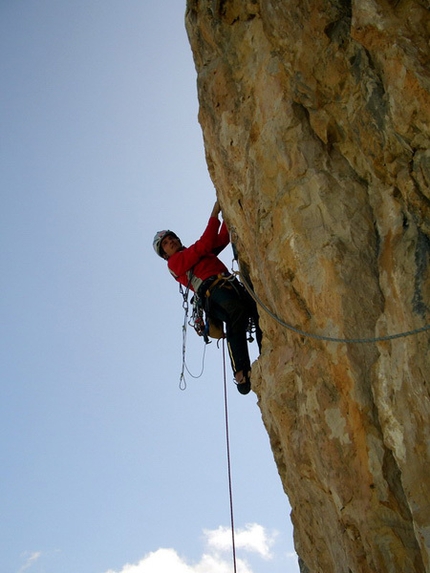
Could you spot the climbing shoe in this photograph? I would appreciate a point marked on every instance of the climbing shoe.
(244, 386)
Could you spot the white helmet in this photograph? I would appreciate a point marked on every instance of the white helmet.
(158, 239)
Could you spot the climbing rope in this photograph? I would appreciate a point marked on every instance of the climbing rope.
(182, 379)
(306, 334)
(227, 439)
(258, 300)
(183, 385)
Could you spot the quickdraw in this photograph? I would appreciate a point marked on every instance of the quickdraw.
(197, 320)
(194, 321)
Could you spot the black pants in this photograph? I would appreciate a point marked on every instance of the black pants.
(230, 303)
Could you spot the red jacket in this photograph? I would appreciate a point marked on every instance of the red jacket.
(199, 261)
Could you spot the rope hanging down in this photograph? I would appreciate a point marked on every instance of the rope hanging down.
(183, 385)
(227, 439)
(387, 337)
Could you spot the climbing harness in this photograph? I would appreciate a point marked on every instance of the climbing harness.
(214, 328)
(201, 320)
(369, 340)
(227, 439)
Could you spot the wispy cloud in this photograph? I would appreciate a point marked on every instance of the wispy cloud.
(30, 559)
(216, 558)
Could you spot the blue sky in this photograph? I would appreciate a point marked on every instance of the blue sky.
(106, 465)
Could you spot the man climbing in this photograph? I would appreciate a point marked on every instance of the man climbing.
(199, 268)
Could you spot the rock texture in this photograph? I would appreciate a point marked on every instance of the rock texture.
(316, 124)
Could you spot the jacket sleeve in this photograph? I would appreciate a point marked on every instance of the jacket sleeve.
(184, 260)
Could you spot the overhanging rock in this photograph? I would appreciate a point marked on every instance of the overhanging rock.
(316, 123)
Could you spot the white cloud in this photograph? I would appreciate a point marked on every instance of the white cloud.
(30, 560)
(164, 560)
(158, 561)
(252, 538)
(216, 559)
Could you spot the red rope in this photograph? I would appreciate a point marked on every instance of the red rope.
(227, 438)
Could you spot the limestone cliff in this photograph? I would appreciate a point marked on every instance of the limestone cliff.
(316, 123)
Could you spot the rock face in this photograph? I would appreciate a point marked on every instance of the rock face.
(316, 123)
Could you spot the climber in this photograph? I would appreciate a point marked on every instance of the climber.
(199, 268)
